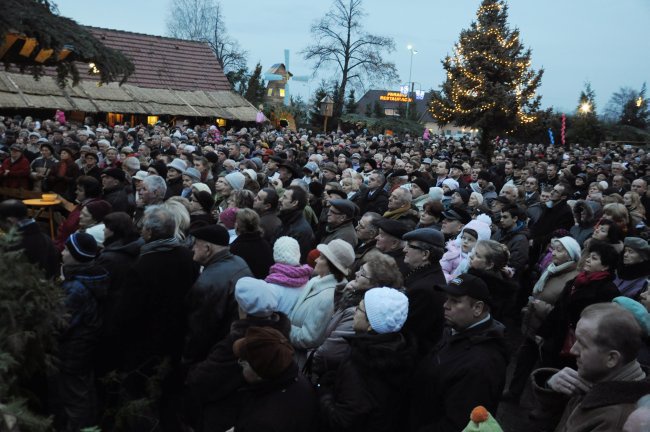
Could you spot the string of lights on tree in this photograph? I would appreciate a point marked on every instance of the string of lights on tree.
(465, 88)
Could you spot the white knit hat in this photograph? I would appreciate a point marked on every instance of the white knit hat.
(255, 297)
(236, 180)
(436, 193)
(286, 250)
(386, 309)
(481, 227)
(572, 247)
(450, 183)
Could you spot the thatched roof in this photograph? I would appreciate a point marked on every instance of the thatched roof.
(32, 37)
(22, 91)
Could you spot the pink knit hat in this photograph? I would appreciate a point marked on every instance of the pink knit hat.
(228, 217)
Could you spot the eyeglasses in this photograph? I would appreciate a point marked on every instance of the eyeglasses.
(362, 274)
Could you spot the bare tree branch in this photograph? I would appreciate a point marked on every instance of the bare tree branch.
(203, 20)
(339, 40)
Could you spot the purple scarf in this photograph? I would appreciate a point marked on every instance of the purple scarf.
(288, 275)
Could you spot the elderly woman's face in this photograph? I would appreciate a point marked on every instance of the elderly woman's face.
(560, 254)
(631, 256)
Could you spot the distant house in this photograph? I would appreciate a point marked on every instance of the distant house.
(173, 79)
(393, 102)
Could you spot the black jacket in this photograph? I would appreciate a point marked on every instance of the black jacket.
(464, 370)
(151, 312)
(256, 251)
(174, 187)
(370, 387)
(287, 403)
(295, 225)
(502, 290)
(85, 287)
(211, 304)
(118, 199)
(558, 216)
(517, 242)
(211, 385)
(270, 224)
(377, 202)
(566, 313)
(426, 317)
(39, 249)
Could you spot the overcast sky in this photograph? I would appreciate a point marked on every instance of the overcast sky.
(601, 41)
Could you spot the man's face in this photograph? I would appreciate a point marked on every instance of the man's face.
(90, 161)
(233, 151)
(508, 169)
(556, 193)
(172, 174)
(507, 222)
(441, 169)
(387, 164)
(147, 195)
(109, 182)
(335, 216)
(80, 194)
(551, 171)
(199, 166)
(373, 182)
(510, 193)
(364, 229)
(259, 201)
(639, 186)
(395, 200)
(385, 241)
(591, 359)
(544, 196)
(459, 312)
(617, 182)
(530, 185)
(286, 202)
(451, 227)
(201, 251)
(329, 175)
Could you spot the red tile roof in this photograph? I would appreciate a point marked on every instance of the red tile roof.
(167, 63)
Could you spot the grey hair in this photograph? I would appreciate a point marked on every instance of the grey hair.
(156, 184)
(160, 221)
(181, 217)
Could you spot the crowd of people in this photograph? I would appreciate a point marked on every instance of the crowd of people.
(265, 279)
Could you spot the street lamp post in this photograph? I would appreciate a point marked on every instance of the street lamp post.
(408, 94)
(326, 110)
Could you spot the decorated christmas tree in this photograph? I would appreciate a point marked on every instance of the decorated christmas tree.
(490, 84)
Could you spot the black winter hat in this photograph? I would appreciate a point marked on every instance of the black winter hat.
(82, 246)
(215, 234)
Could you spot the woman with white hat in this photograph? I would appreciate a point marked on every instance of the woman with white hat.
(315, 306)
(547, 290)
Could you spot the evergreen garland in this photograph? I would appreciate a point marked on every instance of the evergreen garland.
(35, 19)
(31, 311)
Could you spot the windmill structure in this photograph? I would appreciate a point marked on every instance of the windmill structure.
(278, 78)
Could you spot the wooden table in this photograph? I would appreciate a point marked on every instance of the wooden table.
(41, 206)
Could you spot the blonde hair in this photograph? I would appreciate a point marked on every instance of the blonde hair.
(497, 253)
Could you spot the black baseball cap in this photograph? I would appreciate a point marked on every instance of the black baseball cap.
(467, 285)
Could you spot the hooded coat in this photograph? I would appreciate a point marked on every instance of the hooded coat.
(368, 392)
(464, 370)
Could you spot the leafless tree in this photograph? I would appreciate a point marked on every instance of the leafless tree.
(203, 20)
(340, 40)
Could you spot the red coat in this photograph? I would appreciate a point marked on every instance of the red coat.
(18, 177)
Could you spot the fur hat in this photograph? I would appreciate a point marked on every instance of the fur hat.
(82, 246)
(386, 309)
(266, 350)
(236, 180)
(422, 184)
(286, 250)
(255, 297)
